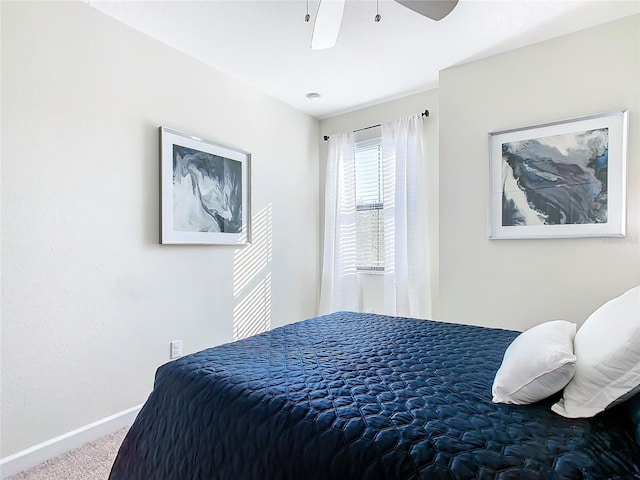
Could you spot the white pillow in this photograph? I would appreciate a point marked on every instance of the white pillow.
(608, 350)
(537, 364)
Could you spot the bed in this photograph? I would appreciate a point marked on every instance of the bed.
(361, 396)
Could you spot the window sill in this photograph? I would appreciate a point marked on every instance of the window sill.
(369, 272)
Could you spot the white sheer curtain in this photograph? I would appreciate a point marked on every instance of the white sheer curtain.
(339, 289)
(406, 268)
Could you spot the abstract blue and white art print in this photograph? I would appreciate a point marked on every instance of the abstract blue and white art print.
(562, 179)
(556, 180)
(205, 191)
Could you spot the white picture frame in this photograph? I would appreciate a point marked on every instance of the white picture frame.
(205, 191)
(564, 179)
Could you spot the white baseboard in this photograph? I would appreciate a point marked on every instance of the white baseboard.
(37, 454)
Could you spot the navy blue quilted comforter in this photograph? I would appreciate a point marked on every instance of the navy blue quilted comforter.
(360, 396)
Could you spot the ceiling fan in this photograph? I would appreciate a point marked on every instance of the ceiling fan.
(329, 17)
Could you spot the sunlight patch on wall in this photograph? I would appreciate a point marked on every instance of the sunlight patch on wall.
(250, 260)
(253, 314)
(252, 279)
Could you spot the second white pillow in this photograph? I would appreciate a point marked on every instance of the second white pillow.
(537, 364)
(608, 350)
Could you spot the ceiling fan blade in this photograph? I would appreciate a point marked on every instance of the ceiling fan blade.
(327, 24)
(433, 9)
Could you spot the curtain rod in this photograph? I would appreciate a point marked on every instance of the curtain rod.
(424, 114)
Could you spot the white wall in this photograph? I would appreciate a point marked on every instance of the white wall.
(519, 283)
(372, 284)
(90, 301)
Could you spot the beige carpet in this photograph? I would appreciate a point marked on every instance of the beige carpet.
(90, 462)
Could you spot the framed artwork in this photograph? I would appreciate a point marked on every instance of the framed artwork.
(205, 191)
(559, 180)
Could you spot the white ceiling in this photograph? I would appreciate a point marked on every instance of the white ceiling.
(267, 43)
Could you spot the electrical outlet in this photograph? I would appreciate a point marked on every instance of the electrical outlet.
(176, 349)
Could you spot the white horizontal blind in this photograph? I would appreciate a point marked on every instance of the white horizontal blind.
(369, 205)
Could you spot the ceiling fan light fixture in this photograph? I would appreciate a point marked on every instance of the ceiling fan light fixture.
(327, 24)
(329, 17)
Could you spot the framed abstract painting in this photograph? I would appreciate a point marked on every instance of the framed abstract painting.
(559, 180)
(205, 191)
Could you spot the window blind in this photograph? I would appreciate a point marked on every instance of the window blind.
(369, 205)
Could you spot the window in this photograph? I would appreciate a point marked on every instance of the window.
(369, 205)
